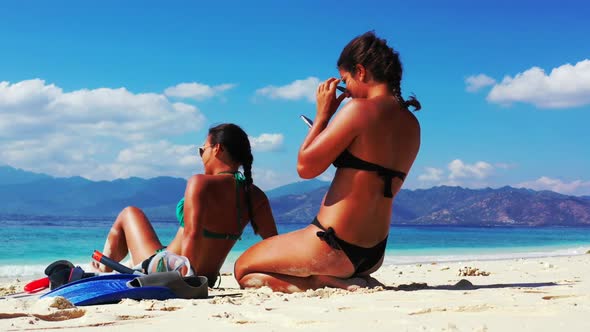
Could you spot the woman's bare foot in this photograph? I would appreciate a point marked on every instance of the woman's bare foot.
(350, 284)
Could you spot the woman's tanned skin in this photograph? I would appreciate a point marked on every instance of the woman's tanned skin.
(375, 126)
(210, 203)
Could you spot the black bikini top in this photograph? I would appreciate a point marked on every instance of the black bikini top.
(348, 160)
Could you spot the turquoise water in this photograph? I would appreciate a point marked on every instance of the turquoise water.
(28, 245)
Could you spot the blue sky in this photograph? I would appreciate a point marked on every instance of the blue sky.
(115, 89)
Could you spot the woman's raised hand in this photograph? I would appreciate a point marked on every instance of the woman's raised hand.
(327, 103)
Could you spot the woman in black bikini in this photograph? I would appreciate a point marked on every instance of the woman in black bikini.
(212, 214)
(373, 141)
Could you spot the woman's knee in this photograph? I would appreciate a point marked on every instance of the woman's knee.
(132, 210)
(129, 212)
(128, 216)
(240, 268)
(251, 261)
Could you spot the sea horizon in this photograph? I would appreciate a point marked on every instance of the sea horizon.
(30, 244)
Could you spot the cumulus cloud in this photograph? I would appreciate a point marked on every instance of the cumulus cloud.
(566, 86)
(458, 169)
(268, 179)
(32, 108)
(26, 96)
(432, 175)
(297, 90)
(458, 173)
(476, 82)
(154, 158)
(89, 132)
(197, 91)
(267, 142)
(576, 187)
(145, 160)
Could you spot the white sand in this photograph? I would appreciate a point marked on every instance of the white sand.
(536, 294)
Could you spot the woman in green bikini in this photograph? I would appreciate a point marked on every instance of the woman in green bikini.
(212, 214)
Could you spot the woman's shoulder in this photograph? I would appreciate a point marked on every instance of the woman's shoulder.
(198, 179)
(410, 118)
(257, 193)
(199, 182)
(356, 104)
(355, 112)
(202, 182)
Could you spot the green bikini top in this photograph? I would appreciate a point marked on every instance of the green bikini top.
(240, 183)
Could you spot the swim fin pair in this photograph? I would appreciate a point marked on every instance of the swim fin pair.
(111, 288)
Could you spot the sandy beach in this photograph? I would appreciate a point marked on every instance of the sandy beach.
(533, 294)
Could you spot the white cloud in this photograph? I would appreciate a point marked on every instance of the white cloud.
(84, 132)
(62, 156)
(299, 89)
(458, 173)
(476, 82)
(32, 109)
(157, 158)
(577, 187)
(566, 86)
(197, 91)
(267, 179)
(479, 170)
(266, 142)
(432, 175)
(26, 95)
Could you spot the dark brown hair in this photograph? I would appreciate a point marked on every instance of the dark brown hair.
(380, 61)
(235, 141)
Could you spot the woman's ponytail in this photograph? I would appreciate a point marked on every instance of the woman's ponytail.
(247, 165)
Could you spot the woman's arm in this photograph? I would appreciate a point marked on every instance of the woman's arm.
(326, 140)
(194, 200)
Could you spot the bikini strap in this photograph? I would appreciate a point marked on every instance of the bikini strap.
(387, 175)
(327, 235)
(240, 182)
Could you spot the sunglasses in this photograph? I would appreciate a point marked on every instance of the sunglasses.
(202, 149)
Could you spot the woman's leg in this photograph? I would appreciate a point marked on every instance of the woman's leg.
(131, 233)
(293, 262)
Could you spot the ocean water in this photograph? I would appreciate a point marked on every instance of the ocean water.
(28, 245)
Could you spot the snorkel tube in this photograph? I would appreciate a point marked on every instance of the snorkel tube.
(101, 258)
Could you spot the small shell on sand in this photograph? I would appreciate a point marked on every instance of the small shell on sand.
(7, 290)
(57, 302)
(469, 271)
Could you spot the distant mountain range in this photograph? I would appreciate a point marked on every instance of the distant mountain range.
(32, 194)
(9, 175)
(445, 205)
(297, 188)
(37, 194)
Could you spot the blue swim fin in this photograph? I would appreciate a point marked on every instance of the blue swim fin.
(109, 288)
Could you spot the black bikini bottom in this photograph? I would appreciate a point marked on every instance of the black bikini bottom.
(362, 258)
